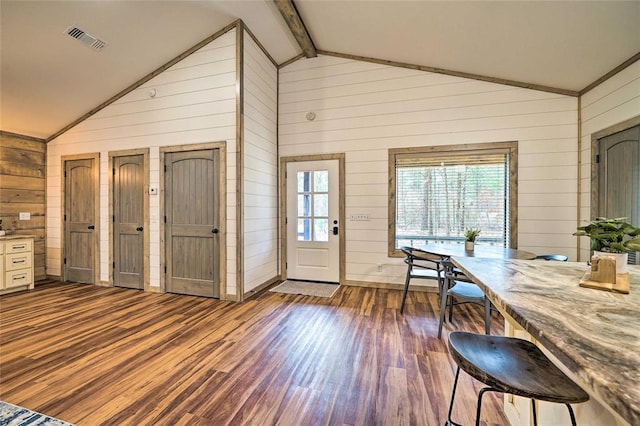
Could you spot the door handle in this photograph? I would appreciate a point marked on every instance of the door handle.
(139, 228)
(215, 231)
(91, 227)
(335, 230)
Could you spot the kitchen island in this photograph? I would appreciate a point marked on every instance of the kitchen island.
(593, 335)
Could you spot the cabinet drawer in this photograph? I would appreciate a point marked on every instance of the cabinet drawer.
(18, 278)
(17, 261)
(18, 246)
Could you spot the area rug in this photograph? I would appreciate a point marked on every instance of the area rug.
(306, 288)
(12, 415)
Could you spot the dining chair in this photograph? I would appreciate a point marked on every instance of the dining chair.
(557, 257)
(513, 366)
(460, 289)
(422, 265)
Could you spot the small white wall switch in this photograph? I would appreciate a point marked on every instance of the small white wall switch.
(153, 191)
(25, 216)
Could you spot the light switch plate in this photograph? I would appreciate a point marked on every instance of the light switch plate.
(25, 216)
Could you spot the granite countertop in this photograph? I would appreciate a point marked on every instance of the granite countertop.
(594, 333)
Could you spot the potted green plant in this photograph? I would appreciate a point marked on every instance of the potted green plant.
(470, 235)
(614, 236)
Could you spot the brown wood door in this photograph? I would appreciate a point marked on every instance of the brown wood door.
(79, 220)
(128, 219)
(619, 186)
(619, 178)
(191, 223)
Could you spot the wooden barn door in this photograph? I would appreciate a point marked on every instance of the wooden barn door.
(80, 220)
(192, 222)
(128, 221)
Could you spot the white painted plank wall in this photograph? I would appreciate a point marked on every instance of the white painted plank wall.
(195, 103)
(363, 109)
(612, 102)
(260, 172)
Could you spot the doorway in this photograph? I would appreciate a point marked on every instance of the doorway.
(616, 175)
(192, 223)
(129, 219)
(313, 218)
(80, 216)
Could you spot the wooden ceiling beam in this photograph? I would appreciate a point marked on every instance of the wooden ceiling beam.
(292, 18)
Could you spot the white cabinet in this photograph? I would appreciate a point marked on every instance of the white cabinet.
(16, 264)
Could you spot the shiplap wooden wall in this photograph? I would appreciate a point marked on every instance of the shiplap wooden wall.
(363, 109)
(612, 102)
(260, 152)
(195, 102)
(22, 189)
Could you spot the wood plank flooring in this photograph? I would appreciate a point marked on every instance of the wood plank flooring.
(107, 356)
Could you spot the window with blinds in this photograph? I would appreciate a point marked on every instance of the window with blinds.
(440, 194)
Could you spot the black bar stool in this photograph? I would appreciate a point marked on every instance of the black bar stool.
(514, 366)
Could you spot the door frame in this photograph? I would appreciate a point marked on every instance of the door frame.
(145, 233)
(341, 211)
(222, 209)
(595, 149)
(95, 156)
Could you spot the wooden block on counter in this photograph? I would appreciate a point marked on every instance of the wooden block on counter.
(621, 284)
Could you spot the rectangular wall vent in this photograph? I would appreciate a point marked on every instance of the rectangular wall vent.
(87, 39)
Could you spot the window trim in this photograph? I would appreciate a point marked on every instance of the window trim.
(510, 148)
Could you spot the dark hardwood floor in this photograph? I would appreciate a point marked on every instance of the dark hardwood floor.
(107, 356)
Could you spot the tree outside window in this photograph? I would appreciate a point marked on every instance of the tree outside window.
(438, 192)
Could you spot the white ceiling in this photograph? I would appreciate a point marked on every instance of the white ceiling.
(48, 79)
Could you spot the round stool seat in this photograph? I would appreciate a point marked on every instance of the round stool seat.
(467, 291)
(514, 366)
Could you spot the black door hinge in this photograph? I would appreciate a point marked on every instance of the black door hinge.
(165, 269)
(65, 260)
(597, 158)
(114, 171)
(114, 265)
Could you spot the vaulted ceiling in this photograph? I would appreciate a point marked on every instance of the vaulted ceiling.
(48, 79)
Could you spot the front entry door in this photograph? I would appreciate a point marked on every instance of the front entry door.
(313, 242)
(191, 222)
(79, 220)
(128, 219)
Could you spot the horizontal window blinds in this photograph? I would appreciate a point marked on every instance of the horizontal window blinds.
(439, 196)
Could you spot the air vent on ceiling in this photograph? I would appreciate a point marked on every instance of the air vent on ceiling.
(87, 39)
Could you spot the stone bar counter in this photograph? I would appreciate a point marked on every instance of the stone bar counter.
(593, 335)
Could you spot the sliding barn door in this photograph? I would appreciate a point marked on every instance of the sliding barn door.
(191, 228)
